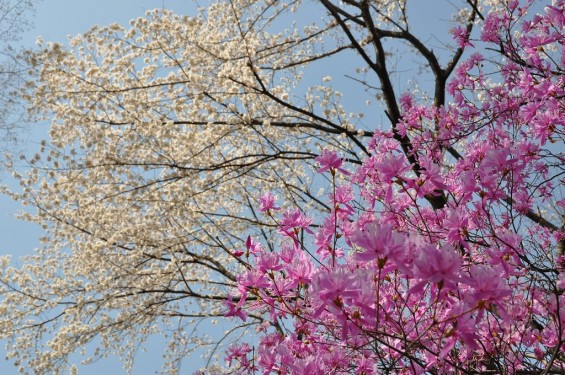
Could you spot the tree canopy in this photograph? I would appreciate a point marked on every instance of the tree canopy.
(171, 138)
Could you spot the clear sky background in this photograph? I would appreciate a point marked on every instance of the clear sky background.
(55, 20)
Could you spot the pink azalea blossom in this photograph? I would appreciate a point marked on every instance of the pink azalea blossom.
(239, 353)
(391, 167)
(461, 36)
(292, 222)
(301, 270)
(379, 242)
(487, 286)
(252, 246)
(438, 265)
(235, 309)
(269, 261)
(267, 202)
(343, 195)
(329, 160)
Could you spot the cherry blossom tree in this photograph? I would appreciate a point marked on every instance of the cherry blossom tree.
(181, 181)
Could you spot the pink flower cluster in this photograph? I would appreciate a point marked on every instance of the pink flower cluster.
(400, 286)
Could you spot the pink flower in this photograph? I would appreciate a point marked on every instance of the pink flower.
(497, 160)
(556, 14)
(398, 288)
(343, 195)
(295, 219)
(379, 242)
(392, 166)
(324, 237)
(457, 224)
(292, 222)
(239, 353)
(333, 287)
(491, 28)
(438, 265)
(252, 246)
(267, 358)
(301, 270)
(461, 36)
(467, 184)
(463, 329)
(287, 253)
(307, 366)
(432, 173)
(235, 310)
(252, 280)
(561, 281)
(267, 202)
(487, 285)
(269, 261)
(329, 160)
